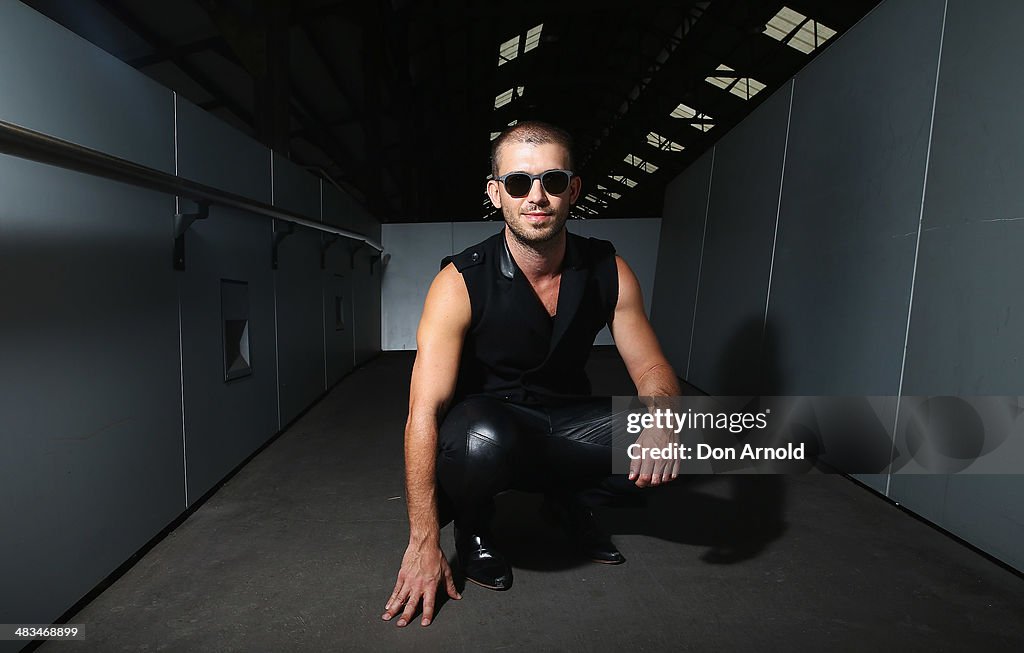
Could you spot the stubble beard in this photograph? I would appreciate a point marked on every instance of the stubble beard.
(530, 236)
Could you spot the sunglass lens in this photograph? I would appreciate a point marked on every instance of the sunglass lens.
(555, 182)
(518, 184)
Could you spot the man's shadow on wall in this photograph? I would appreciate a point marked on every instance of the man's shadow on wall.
(734, 516)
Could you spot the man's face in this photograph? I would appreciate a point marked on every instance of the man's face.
(540, 216)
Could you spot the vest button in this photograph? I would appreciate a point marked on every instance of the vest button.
(475, 256)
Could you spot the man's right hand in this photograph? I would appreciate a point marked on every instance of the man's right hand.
(423, 568)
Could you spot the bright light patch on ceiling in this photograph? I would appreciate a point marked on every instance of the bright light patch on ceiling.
(495, 135)
(623, 180)
(810, 35)
(742, 87)
(533, 38)
(505, 97)
(636, 161)
(700, 121)
(662, 143)
(508, 50)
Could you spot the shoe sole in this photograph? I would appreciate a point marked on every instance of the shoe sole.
(497, 588)
(608, 562)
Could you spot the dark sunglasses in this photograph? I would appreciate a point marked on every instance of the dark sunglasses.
(518, 184)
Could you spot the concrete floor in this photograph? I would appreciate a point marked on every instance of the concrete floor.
(299, 551)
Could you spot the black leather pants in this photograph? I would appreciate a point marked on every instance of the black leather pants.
(487, 446)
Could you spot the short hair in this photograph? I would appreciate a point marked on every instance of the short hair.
(534, 132)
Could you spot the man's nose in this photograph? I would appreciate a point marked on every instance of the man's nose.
(537, 194)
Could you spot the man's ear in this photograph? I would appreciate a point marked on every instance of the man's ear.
(494, 193)
(576, 185)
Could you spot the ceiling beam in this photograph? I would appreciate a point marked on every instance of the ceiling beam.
(159, 44)
(177, 52)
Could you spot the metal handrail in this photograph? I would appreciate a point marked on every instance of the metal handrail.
(35, 146)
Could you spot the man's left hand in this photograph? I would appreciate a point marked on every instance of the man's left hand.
(646, 470)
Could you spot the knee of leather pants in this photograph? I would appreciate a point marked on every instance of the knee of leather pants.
(478, 446)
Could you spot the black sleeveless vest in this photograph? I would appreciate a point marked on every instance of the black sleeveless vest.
(513, 349)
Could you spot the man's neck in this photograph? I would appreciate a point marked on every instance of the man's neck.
(538, 260)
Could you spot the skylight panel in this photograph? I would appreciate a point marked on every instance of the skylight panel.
(746, 88)
(742, 87)
(809, 33)
(724, 81)
(623, 180)
(508, 50)
(812, 35)
(636, 161)
(783, 23)
(505, 97)
(662, 143)
(700, 121)
(495, 135)
(533, 38)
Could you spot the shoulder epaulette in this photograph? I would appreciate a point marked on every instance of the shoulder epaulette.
(465, 259)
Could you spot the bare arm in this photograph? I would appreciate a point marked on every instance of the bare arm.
(446, 316)
(647, 366)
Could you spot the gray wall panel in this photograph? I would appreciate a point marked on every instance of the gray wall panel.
(851, 201)
(967, 325)
(417, 250)
(300, 322)
(225, 421)
(465, 234)
(213, 153)
(366, 309)
(295, 189)
(679, 251)
(985, 510)
(90, 392)
(736, 265)
(56, 82)
(341, 210)
(967, 330)
(636, 241)
(339, 343)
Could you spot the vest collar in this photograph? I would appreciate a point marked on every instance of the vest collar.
(505, 263)
(574, 258)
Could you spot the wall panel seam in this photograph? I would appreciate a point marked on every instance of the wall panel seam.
(778, 217)
(700, 264)
(917, 246)
(181, 344)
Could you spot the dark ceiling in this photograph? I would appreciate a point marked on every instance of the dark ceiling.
(395, 100)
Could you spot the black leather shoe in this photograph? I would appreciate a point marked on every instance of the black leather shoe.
(481, 563)
(586, 535)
